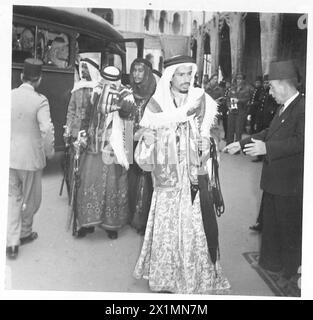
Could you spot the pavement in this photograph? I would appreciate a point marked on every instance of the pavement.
(58, 261)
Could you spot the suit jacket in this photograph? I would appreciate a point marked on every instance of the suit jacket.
(282, 172)
(32, 133)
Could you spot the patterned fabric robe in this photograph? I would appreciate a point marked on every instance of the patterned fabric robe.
(103, 193)
(174, 256)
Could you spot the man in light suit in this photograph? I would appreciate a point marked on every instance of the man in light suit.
(32, 140)
(282, 145)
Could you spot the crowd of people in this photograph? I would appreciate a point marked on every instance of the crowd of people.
(141, 155)
(243, 108)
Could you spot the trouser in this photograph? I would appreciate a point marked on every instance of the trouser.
(224, 119)
(24, 201)
(282, 233)
(259, 219)
(235, 126)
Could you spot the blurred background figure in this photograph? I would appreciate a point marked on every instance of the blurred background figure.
(216, 92)
(254, 103)
(239, 96)
(150, 58)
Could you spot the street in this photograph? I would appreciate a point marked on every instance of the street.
(58, 261)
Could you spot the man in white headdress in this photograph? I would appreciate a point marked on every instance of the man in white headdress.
(90, 77)
(103, 193)
(174, 145)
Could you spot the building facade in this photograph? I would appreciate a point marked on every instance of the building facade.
(247, 42)
(165, 32)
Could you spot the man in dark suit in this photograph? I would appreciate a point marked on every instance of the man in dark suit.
(32, 140)
(282, 145)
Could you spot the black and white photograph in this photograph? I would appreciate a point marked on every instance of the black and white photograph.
(156, 149)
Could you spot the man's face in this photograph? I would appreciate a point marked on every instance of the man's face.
(182, 78)
(258, 84)
(138, 72)
(27, 40)
(63, 52)
(277, 90)
(239, 81)
(266, 84)
(214, 81)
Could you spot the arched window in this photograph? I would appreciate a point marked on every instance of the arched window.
(162, 21)
(176, 23)
(148, 19)
(106, 14)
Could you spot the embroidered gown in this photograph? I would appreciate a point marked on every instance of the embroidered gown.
(174, 256)
(103, 192)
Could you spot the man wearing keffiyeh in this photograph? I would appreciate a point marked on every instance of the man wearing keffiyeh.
(174, 143)
(103, 193)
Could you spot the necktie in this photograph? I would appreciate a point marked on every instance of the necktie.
(281, 110)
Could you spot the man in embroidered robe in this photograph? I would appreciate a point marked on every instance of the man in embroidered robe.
(102, 198)
(175, 133)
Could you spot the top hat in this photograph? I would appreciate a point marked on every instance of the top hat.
(280, 70)
(32, 69)
(111, 73)
(177, 60)
(259, 78)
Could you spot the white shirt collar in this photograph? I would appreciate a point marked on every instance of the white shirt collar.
(287, 103)
(27, 85)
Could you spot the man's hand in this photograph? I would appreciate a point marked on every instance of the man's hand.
(148, 137)
(256, 148)
(232, 148)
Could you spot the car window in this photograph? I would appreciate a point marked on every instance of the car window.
(53, 48)
(23, 42)
(47, 45)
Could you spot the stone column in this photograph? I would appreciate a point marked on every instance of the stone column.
(213, 30)
(270, 30)
(237, 31)
(200, 48)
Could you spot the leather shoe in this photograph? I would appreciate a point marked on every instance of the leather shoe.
(112, 234)
(82, 232)
(256, 227)
(12, 252)
(33, 236)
